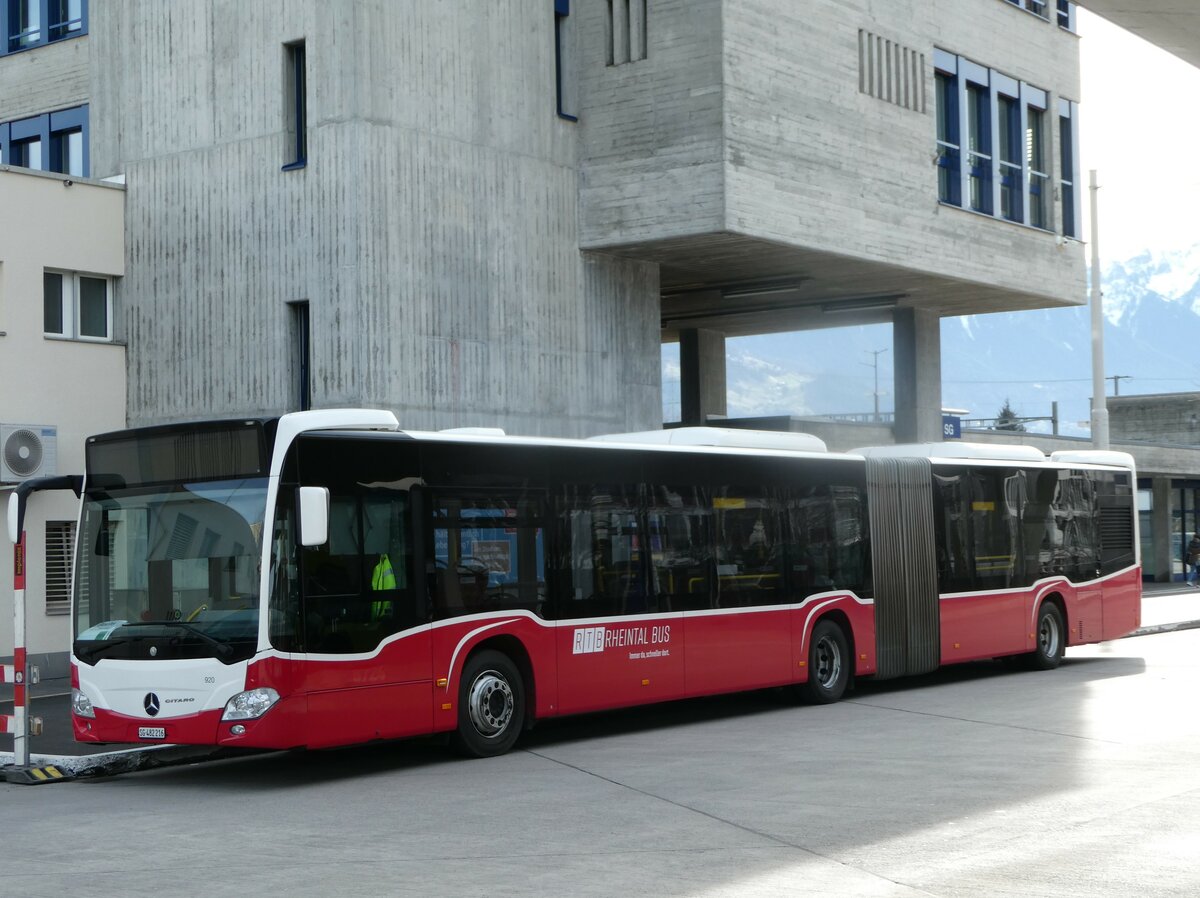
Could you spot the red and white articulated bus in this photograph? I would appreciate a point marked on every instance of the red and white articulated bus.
(324, 578)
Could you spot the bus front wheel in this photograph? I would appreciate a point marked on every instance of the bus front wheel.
(828, 664)
(491, 705)
(1051, 639)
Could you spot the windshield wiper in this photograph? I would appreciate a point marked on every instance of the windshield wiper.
(223, 649)
(88, 653)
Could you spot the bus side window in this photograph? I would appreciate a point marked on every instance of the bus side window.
(749, 548)
(605, 569)
(488, 554)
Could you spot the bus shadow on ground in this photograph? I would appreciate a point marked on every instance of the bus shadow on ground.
(288, 769)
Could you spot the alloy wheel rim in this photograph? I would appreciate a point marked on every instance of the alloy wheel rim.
(490, 703)
(1048, 636)
(829, 662)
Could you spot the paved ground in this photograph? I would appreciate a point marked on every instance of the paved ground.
(974, 781)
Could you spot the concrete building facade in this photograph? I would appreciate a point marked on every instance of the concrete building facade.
(429, 231)
(463, 249)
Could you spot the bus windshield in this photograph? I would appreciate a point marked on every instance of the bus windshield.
(170, 571)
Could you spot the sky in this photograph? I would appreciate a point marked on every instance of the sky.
(1140, 131)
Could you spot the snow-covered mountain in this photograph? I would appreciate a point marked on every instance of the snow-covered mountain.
(1152, 340)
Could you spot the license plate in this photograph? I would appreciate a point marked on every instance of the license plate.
(152, 732)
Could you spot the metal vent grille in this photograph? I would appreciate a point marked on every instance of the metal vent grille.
(60, 537)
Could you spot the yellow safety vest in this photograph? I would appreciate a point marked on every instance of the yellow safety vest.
(382, 578)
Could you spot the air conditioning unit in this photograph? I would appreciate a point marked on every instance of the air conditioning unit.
(27, 451)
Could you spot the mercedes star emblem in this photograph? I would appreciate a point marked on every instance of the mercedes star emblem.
(150, 703)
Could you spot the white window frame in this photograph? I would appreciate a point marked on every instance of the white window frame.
(70, 299)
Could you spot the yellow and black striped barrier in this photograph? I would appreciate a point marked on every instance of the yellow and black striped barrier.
(35, 776)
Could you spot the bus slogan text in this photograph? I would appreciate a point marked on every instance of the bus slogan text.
(589, 640)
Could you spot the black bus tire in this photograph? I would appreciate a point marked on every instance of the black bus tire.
(491, 705)
(1051, 638)
(828, 665)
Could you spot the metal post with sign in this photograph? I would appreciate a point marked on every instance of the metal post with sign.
(18, 722)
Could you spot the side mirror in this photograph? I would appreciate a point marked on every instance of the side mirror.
(14, 504)
(314, 515)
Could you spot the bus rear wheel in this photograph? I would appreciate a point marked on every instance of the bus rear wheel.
(491, 705)
(828, 665)
(1051, 639)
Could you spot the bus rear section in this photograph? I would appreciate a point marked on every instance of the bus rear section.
(995, 551)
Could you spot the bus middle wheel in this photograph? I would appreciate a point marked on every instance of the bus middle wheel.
(828, 664)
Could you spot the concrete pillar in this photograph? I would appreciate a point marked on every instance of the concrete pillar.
(917, 350)
(1163, 552)
(701, 375)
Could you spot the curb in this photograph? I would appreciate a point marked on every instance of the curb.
(1165, 628)
(69, 767)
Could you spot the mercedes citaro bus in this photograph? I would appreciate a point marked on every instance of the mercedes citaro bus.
(325, 578)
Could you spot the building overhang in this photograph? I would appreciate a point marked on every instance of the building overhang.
(741, 285)
(1173, 25)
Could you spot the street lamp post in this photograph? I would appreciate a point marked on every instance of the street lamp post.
(1099, 406)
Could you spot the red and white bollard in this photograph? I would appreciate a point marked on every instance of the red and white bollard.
(18, 724)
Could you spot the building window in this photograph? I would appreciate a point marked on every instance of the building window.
(1009, 146)
(25, 24)
(302, 354)
(54, 141)
(1038, 7)
(1041, 8)
(77, 306)
(979, 146)
(625, 31)
(565, 85)
(1068, 166)
(60, 537)
(295, 105)
(948, 146)
(1006, 169)
(1066, 15)
(1039, 178)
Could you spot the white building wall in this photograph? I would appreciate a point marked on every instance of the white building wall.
(76, 386)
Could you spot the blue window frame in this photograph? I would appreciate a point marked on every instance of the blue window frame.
(949, 146)
(25, 24)
(53, 141)
(993, 151)
(1011, 178)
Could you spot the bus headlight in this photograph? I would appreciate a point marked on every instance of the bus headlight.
(81, 705)
(250, 704)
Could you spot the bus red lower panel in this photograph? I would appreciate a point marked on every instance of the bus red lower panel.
(618, 662)
(1123, 604)
(348, 716)
(733, 650)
